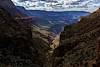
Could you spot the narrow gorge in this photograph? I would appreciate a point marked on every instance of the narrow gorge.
(24, 43)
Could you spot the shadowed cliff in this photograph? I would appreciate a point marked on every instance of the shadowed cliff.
(17, 45)
(78, 43)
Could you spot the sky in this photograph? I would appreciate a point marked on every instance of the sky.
(59, 5)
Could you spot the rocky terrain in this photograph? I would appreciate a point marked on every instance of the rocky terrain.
(10, 7)
(78, 43)
(23, 44)
(18, 48)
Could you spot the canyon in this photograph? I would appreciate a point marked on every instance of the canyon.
(23, 43)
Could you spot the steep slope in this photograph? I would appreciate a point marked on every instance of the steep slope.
(10, 7)
(78, 43)
(17, 45)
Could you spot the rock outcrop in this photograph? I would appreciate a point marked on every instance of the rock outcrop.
(10, 7)
(18, 48)
(78, 43)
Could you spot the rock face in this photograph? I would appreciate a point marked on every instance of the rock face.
(78, 43)
(98, 52)
(18, 48)
(9, 6)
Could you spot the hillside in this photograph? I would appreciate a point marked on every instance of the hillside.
(29, 38)
(18, 47)
(78, 43)
(10, 7)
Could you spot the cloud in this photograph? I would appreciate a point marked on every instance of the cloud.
(24, 0)
(60, 5)
(21, 0)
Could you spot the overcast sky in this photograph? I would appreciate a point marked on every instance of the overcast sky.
(59, 5)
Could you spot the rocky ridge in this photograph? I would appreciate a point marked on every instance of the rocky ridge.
(78, 43)
(17, 45)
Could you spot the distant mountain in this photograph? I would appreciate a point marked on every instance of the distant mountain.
(53, 19)
(58, 17)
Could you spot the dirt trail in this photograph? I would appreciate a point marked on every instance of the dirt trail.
(55, 42)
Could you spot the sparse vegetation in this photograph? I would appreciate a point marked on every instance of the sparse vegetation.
(78, 42)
